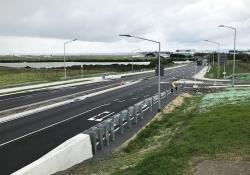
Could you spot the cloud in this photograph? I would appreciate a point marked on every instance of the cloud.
(182, 23)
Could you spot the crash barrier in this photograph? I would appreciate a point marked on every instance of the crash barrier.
(104, 133)
(82, 146)
(69, 153)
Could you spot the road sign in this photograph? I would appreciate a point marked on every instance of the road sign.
(161, 70)
(224, 73)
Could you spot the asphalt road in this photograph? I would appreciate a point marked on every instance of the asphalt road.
(26, 139)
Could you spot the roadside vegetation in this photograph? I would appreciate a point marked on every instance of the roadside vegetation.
(20, 76)
(176, 141)
(77, 58)
(242, 70)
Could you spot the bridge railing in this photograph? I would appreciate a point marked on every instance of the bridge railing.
(105, 132)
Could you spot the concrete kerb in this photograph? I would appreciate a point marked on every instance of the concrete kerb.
(200, 76)
(71, 152)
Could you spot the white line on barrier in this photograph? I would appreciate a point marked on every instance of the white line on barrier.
(54, 124)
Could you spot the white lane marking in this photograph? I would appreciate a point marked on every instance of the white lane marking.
(62, 89)
(54, 124)
(46, 86)
(106, 116)
(24, 96)
(134, 98)
(93, 118)
(116, 99)
(44, 108)
(120, 101)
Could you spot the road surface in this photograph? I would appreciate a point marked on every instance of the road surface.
(24, 140)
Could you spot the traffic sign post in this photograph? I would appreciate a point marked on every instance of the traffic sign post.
(161, 71)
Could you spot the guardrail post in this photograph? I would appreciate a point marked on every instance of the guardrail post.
(112, 130)
(141, 110)
(135, 113)
(129, 114)
(94, 136)
(149, 104)
(106, 126)
(121, 124)
(131, 111)
(100, 136)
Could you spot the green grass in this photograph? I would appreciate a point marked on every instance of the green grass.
(241, 67)
(223, 130)
(171, 144)
(80, 58)
(16, 76)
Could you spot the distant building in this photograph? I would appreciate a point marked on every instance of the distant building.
(231, 52)
(155, 54)
(187, 52)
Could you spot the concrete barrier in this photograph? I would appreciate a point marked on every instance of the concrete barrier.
(69, 153)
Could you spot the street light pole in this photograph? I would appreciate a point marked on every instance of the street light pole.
(64, 55)
(235, 31)
(159, 78)
(159, 65)
(132, 64)
(65, 74)
(218, 45)
(224, 72)
(213, 59)
(218, 74)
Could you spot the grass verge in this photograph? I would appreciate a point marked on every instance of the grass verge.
(242, 71)
(19, 76)
(172, 144)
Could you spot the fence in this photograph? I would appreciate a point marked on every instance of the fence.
(104, 133)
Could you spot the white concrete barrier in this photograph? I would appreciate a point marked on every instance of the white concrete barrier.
(69, 153)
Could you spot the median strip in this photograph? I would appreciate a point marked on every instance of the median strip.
(44, 108)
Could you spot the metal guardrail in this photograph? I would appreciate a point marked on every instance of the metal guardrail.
(103, 133)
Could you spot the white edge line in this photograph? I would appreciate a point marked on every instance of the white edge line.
(44, 108)
(18, 138)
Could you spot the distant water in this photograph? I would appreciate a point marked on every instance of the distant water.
(68, 64)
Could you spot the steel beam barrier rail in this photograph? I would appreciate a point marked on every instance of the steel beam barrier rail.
(103, 133)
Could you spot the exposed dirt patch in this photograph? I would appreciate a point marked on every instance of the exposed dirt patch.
(175, 103)
(210, 167)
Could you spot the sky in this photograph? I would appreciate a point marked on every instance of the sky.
(42, 26)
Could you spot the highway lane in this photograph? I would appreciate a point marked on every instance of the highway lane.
(75, 116)
(16, 100)
(22, 126)
(35, 145)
